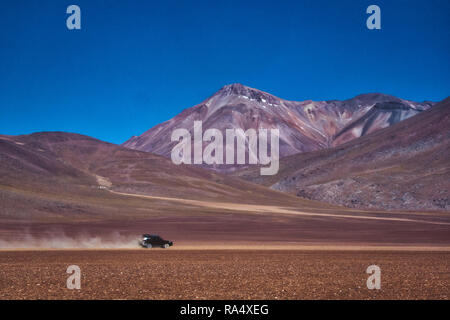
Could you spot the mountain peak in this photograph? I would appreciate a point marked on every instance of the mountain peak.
(251, 94)
(235, 89)
(375, 97)
(304, 125)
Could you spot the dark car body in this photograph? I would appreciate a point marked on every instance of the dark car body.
(153, 240)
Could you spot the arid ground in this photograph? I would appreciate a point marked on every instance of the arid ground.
(229, 251)
(224, 274)
(70, 200)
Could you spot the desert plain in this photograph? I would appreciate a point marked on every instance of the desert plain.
(239, 252)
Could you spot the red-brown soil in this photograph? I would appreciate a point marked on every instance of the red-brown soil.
(224, 274)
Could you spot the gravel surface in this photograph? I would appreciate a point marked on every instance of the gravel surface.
(223, 274)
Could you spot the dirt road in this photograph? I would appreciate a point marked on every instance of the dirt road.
(327, 213)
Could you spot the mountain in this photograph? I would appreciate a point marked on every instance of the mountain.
(304, 126)
(54, 173)
(405, 167)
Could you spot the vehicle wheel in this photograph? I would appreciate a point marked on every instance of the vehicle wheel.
(149, 246)
(166, 246)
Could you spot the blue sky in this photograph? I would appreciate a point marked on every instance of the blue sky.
(137, 63)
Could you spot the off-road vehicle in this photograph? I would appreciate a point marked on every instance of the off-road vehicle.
(153, 240)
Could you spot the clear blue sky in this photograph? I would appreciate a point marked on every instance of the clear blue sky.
(137, 63)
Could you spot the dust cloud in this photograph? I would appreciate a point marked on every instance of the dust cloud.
(59, 240)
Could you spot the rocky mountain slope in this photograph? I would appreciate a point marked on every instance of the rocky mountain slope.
(304, 126)
(404, 167)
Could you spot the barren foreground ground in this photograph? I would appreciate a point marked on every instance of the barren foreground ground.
(224, 274)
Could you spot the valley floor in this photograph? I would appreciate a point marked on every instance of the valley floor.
(225, 251)
(119, 221)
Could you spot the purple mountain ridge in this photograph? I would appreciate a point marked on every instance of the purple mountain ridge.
(304, 126)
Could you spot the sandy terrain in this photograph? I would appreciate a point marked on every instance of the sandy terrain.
(223, 274)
